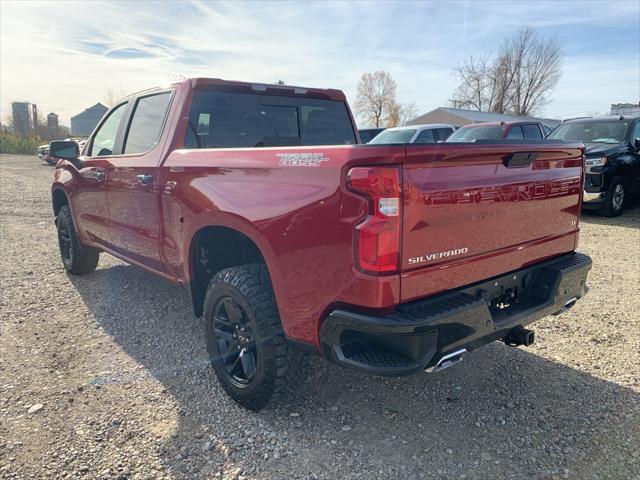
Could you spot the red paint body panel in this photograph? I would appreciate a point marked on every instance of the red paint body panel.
(302, 218)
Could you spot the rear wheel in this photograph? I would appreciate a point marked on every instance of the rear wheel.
(615, 200)
(77, 257)
(244, 337)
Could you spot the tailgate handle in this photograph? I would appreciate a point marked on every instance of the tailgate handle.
(520, 159)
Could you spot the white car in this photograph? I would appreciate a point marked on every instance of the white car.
(420, 134)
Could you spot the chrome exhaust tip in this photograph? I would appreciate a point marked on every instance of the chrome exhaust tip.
(448, 360)
(567, 305)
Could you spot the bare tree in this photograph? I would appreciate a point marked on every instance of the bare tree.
(408, 111)
(113, 94)
(473, 92)
(376, 101)
(518, 80)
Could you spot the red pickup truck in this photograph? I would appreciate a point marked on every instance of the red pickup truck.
(293, 237)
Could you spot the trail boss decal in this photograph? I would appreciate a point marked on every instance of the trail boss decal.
(435, 256)
(301, 159)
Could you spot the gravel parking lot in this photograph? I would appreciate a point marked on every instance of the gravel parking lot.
(107, 377)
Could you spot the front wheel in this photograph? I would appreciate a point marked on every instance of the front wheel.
(77, 258)
(244, 337)
(615, 200)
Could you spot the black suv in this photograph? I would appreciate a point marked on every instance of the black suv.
(612, 159)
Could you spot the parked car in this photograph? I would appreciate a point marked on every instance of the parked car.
(420, 134)
(499, 131)
(367, 134)
(612, 160)
(48, 158)
(40, 151)
(292, 238)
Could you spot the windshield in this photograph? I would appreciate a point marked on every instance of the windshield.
(393, 136)
(608, 131)
(471, 134)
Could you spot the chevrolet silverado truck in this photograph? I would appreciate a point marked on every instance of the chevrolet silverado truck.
(612, 160)
(293, 237)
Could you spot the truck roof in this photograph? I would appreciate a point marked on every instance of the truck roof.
(602, 118)
(257, 87)
(425, 126)
(251, 87)
(498, 124)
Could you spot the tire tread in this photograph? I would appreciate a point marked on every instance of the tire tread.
(84, 258)
(282, 367)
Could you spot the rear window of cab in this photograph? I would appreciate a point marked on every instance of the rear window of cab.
(237, 120)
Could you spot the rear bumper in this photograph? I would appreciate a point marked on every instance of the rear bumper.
(417, 335)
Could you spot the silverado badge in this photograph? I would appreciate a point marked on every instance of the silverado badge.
(435, 256)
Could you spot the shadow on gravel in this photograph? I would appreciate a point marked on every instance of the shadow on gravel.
(629, 218)
(502, 413)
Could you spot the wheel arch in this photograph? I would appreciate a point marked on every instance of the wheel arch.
(217, 246)
(59, 199)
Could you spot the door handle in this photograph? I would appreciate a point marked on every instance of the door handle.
(145, 179)
(98, 175)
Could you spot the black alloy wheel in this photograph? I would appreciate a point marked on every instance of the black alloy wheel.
(235, 344)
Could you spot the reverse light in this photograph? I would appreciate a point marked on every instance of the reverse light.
(377, 248)
(389, 207)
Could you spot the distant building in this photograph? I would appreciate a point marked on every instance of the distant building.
(459, 116)
(52, 125)
(83, 123)
(22, 119)
(629, 109)
(34, 111)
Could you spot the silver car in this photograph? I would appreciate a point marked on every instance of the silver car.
(419, 134)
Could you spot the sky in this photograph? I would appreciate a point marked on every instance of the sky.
(64, 56)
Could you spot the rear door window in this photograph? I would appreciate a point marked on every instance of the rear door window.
(515, 133)
(531, 131)
(425, 136)
(232, 120)
(146, 125)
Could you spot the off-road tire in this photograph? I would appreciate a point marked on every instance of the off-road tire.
(611, 207)
(80, 259)
(277, 366)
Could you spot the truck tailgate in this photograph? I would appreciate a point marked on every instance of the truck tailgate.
(474, 211)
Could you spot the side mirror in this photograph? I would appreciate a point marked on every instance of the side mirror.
(65, 149)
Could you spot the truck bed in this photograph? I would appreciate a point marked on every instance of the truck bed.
(303, 217)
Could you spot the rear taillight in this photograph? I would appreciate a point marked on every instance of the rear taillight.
(378, 235)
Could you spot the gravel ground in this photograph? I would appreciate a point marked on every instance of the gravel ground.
(107, 377)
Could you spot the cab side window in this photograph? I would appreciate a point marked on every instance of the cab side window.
(104, 140)
(636, 132)
(443, 133)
